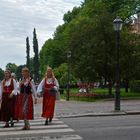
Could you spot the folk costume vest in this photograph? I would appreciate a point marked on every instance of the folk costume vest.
(8, 89)
(48, 99)
(8, 104)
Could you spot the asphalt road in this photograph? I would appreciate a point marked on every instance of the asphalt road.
(106, 128)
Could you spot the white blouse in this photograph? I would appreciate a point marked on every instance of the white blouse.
(49, 81)
(0, 92)
(34, 92)
(7, 83)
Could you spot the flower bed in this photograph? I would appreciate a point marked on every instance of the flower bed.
(91, 95)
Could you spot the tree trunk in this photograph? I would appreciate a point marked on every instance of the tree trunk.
(110, 87)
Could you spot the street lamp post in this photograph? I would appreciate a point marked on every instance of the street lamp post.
(117, 28)
(68, 78)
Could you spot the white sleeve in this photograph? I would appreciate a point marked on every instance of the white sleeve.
(40, 86)
(18, 87)
(15, 87)
(17, 84)
(2, 86)
(56, 85)
(33, 89)
(0, 91)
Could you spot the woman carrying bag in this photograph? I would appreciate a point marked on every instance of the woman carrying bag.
(48, 87)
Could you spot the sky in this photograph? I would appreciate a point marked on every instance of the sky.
(18, 19)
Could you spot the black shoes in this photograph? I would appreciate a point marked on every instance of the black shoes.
(47, 122)
(50, 119)
(12, 124)
(6, 125)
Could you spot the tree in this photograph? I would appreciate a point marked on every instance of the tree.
(70, 15)
(18, 72)
(88, 32)
(61, 73)
(1, 74)
(61, 70)
(36, 57)
(28, 53)
(12, 67)
(53, 52)
(91, 39)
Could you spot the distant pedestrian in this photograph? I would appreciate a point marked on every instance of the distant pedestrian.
(8, 90)
(126, 85)
(27, 89)
(48, 87)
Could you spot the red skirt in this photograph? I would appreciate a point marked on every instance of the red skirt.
(25, 107)
(7, 110)
(48, 105)
(17, 106)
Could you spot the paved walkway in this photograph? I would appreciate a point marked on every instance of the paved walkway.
(100, 108)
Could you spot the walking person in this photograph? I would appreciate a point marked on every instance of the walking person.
(48, 87)
(8, 90)
(27, 90)
(0, 95)
(17, 97)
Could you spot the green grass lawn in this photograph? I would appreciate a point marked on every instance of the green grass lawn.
(124, 95)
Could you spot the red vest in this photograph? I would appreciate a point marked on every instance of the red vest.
(8, 89)
(49, 85)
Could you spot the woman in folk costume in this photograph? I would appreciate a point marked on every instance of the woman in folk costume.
(0, 95)
(48, 87)
(27, 89)
(8, 89)
(17, 97)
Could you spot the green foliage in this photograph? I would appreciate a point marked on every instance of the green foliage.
(61, 70)
(88, 32)
(61, 73)
(53, 52)
(12, 67)
(94, 37)
(64, 79)
(32, 66)
(135, 86)
(18, 71)
(130, 56)
(70, 15)
(36, 57)
(27, 52)
(1, 74)
(91, 50)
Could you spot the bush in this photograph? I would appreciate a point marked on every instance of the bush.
(135, 86)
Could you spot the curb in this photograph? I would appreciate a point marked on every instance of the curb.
(122, 113)
(133, 112)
